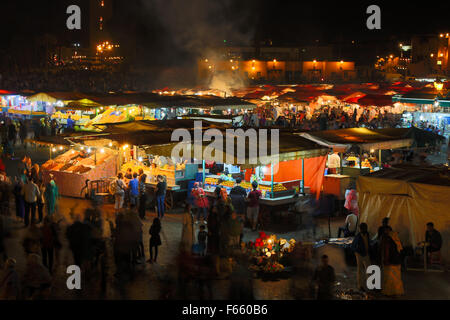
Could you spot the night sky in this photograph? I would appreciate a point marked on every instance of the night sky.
(170, 31)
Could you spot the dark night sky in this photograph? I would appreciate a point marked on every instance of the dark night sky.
(165, 30)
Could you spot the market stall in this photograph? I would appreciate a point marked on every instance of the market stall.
(358, 151)
(297, 167)
(17, 105)
(73, 168)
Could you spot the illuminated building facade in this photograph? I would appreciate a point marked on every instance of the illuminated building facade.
(430, 55)
(278, 71)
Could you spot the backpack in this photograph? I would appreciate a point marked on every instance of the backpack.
(114, 187)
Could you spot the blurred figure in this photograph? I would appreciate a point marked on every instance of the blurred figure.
(241, 280)
(51, 195)
(160, 193)
(41, 200)
(253, 205)
(49, 240)
(30, 191)
(202, 236)
(119, 194)
(433, 241)
(361, 247)
(389, 250)
(79, 235)
(325, 278)
(23, 132)
(37, 279)
(238, 195)
(433, 238)
(133, 187)
(9, 284)
(32, 240)
(187, 233)
(142, 196)
(155, 239)
(201, 202)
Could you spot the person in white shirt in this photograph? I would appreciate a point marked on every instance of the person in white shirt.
(334, 162)
(31, 192)
(349, 229)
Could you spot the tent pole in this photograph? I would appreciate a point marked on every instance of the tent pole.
(379, 158)
(271, 179)
(203, 172)
(359, 156)
(341, 154)
(302, 184)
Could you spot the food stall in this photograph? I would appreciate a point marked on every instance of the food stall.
(359, 152)
(17, 105)
(297, 167)
(80, 163)
(177, 174)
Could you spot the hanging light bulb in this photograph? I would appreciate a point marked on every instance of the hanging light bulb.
(102, 150)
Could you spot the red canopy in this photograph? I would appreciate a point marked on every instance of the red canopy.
(379, 100)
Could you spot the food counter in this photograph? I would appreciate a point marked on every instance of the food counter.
(280, 189)
(177, 176)
(73, 168)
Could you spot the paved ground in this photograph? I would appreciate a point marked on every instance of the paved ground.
(151, 280)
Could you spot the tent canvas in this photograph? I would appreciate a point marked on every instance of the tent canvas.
(410, 197)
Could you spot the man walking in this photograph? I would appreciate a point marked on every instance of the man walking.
(31, 192)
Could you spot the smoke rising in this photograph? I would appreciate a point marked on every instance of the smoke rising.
(196, 29)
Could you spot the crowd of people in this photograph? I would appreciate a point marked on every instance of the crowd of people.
(385, 249)
(81, 79)
(322, 118)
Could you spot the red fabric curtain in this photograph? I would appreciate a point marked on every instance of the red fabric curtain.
(292, 170)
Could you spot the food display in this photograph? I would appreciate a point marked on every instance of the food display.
(112, 115)
(162, 166)
(72, 168)
(211, 182)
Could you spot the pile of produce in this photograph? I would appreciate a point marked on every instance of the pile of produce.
(75, 162)
(276, 187)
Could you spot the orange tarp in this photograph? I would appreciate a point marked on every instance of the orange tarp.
(292, 170)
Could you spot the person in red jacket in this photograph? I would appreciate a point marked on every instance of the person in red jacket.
(201, 202)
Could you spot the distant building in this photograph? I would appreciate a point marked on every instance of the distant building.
(277, 71)
(430, 55)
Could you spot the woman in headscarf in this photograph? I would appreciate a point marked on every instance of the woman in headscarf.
(51, 195)
(390, 248)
